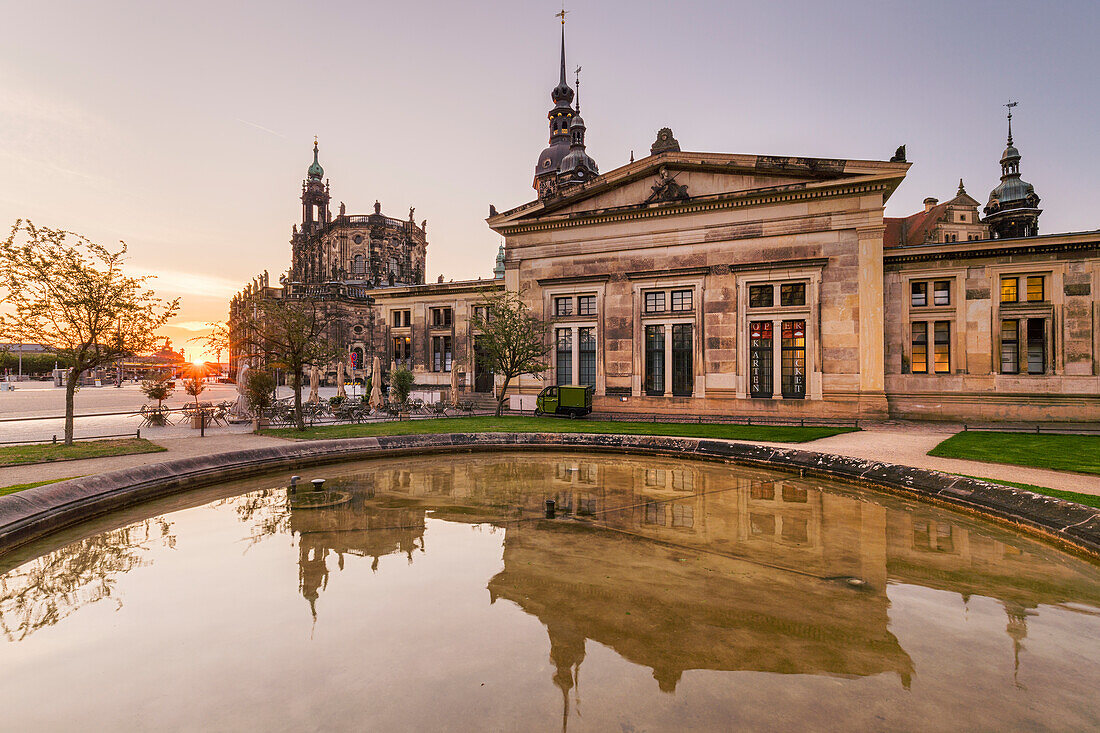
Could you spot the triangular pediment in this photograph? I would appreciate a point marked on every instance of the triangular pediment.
(675, 177)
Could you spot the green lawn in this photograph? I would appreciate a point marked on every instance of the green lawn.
(18, 455)
(19, 487)
(1086, 499)
(774, 433)
(1080, 453)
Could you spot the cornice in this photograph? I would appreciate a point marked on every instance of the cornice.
(549, 281)
(728, 201)
(1002, 251)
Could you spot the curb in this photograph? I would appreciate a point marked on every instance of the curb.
(35, 513)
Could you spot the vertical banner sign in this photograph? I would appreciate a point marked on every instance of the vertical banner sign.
(760, 359)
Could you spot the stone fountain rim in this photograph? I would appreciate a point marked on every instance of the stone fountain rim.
(35, 513)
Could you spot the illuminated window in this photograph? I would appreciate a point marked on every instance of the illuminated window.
(760, 359)
(1008, 289)
(919, 354)
(1035, 288)
(793, 365)
(943, 347)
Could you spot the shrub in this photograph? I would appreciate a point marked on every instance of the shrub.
(259, 390)
(401, 383)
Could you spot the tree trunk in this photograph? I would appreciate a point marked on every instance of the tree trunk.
(299, 421)
(503, 396)
(70, 392)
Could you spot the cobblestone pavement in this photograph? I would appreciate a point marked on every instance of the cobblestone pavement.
(905, 443)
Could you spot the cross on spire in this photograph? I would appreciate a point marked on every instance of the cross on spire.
(1010, 105)
(562, 14)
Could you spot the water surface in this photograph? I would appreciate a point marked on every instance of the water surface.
(667, 595)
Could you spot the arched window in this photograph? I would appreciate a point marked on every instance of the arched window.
(359, 265)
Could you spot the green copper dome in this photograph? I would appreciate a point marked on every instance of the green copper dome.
(315, 170)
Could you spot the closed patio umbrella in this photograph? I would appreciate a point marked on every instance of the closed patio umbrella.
(376, 384)
(340, 391)
(314, 383)
(454, 384)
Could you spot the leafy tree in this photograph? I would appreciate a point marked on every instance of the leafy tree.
(194, 387)
(259, 390)
(68, 293)
(513, 340)
(291, 333)
(157, 389)
(401, 382)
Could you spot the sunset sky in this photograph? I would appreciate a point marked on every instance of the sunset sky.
(186, 128)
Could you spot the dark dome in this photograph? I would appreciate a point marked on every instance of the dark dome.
(550, 158)
(1010, 152)
(562, 94)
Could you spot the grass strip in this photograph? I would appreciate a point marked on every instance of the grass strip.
(1078, 453)
(21, 455)
(1090, 500)
(20, 487)
(489, 424)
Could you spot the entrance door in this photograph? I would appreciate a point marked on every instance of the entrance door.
(483, 376)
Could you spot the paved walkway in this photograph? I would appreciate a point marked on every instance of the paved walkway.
(889, 442)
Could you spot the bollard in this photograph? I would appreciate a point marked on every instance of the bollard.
(138, 434)
(549, 508)
(294, 484)
(318, 484)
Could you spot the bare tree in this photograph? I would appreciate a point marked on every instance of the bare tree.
(70, 294)
(512, 339)
(290, 333)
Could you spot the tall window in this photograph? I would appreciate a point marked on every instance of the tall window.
(359, 265)
(681, 300)
(1036, 345)
(586, 305)
(919, 353)
(402, 351)
(793, 366)
(563, 306)
(943, 347)
(761, 296)
(760, 359)
(1009, 289)
(441, 353)
(1010, 347)
(682, 377)
(655, 302)
(587, 356)
(564, 359)
(655, 360)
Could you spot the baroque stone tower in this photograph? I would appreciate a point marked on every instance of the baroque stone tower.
(1013, 208)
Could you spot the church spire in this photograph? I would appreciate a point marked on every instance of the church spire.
(560, 116)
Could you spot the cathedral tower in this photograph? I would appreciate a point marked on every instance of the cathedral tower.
(315, 196)
(561, 117)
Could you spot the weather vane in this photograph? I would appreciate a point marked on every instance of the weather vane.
(1010, 105)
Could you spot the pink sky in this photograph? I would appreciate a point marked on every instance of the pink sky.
(186, 128)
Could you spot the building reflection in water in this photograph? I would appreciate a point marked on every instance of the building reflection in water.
(682, 566)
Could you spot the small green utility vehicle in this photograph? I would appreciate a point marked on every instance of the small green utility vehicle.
(574, 400)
